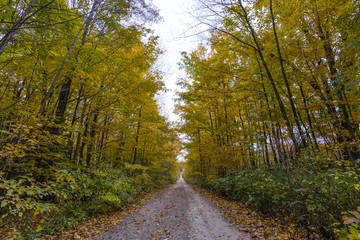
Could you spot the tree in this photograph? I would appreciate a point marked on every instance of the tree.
(275, 76)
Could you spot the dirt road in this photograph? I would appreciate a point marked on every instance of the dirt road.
(178, 212)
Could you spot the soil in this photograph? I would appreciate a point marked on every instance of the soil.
(178, 212)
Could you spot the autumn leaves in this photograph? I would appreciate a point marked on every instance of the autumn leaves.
(77, 96)
(270, 108)
(273, 81)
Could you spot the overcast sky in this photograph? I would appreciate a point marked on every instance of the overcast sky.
(172, 29)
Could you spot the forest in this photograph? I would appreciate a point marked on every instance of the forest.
(80, 129)
(271, 109)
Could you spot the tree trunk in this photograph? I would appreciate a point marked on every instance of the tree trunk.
(10, 34)
(137, 137)
(278, 97)
(91, 144)
(308, 117)
(286, 80)
(61, 106)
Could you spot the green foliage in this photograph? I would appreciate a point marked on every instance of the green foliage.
(80, 131)
(313, 200)
(352, 221)
(197, 178)
(24, 195)
(71, 196)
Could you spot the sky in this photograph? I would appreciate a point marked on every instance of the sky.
(172, 30)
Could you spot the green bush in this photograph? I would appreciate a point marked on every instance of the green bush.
(310, 199)
(198, 179)
(352, 223)
(71, 195)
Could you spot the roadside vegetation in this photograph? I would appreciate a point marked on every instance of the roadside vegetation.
(270, 108)
(80, 131)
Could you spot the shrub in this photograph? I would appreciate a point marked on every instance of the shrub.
(71, 195)
(313, 200)
(352, 222)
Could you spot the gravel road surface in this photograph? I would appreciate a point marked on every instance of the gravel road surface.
(177, 212)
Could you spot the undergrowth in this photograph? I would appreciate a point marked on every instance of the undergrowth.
(322, 202)
(30, 208)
